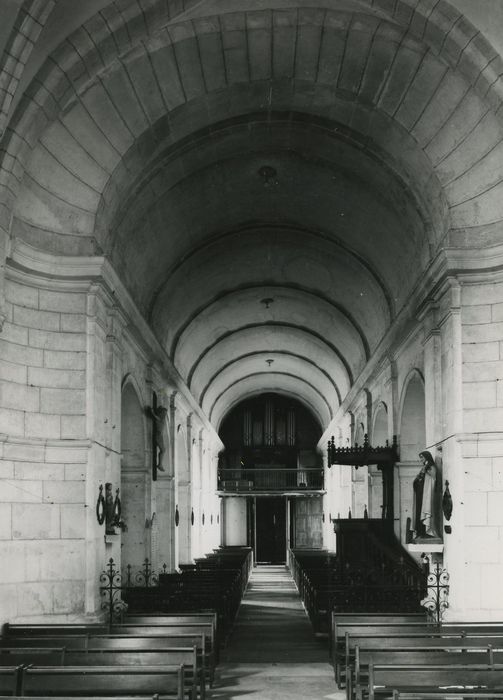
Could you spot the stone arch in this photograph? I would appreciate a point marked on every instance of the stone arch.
(135, 544)
(412, 417)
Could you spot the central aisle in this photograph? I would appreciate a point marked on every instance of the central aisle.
(273, 652)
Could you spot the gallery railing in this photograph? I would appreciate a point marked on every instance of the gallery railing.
(274, 479)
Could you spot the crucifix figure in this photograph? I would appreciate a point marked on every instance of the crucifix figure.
(158, 415)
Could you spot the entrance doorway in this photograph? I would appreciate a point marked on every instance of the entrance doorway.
(270, 530)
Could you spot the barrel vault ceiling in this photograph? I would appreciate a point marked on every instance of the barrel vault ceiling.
(270, 184)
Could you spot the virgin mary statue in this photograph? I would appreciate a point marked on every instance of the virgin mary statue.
(423, 509)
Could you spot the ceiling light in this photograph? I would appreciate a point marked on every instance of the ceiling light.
(268, 175)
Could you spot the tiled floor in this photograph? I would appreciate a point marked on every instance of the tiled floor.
(273, 653)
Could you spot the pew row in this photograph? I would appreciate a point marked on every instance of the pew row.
(357, 677)
(345, 634)
(80, 636)
(97, 643)
(452, 680)
(194, 680)
(468, 693)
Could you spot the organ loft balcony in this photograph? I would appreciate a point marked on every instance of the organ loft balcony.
(276, 480)
(270, 448)
(278, 471)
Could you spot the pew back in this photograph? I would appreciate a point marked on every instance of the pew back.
(357, 675)
(342, 654)
(383, 679)
(9, 679)
(105, 680)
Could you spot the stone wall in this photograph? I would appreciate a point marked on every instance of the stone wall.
(481, 448)
(44, 451)
(67, 352)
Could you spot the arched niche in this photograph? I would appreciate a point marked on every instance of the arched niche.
(380, 425)
(378, 438)
(134, 478)
(412, 419)
(359, 433)
(132, 429)
(360, 495)
(411, 441)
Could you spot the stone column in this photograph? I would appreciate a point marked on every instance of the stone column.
(4, 245)
(451, 426)
(475, 462)
(184, 468)
(103, 466)
(165, 493)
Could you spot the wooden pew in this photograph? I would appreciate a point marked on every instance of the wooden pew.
(451, 679)
(170, 630)
(166, 630)
(344, 655)
(371, 618)
(162, 619)
(118, 643)
(10, 679)
(371, 629)
(53, 656)
(187, 657)
(17, 630)
(167, 626)
(57, 681)
(476, 694)
(357, 677)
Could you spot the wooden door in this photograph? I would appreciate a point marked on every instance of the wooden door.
(270, 526)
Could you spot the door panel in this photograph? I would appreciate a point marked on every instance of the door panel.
(308, 523)
(271, 530)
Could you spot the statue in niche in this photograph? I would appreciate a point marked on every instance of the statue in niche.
(158, 415)
(423, 507)
(109, 510)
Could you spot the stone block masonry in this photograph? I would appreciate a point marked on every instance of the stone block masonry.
(43, 364)
(43, 465)
(482, 375)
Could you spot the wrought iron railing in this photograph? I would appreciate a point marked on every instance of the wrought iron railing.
(274, 479)
(143, 588)
(114, 584)
(436, 600)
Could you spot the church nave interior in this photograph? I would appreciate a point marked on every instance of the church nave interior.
(251, 309)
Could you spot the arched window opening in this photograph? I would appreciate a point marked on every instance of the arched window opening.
(412, 425)
(380, 429)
